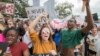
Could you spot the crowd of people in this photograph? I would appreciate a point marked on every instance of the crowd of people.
(23, 39)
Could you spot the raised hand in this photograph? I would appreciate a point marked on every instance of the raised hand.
(89, 18)
(85, 3)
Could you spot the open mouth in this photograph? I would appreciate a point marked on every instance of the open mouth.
(45, 36)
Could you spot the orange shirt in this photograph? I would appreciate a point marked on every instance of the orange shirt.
(39, 48)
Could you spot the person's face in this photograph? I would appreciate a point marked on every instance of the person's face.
(11, 37)
(94, 30)
(10, 24)
(45, 34)
(25, 26)
(71, 24)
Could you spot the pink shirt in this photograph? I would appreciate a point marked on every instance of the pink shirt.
(2, 38)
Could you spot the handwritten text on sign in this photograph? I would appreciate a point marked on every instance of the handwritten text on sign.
(33, 12)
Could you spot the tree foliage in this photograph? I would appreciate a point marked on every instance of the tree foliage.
(21, 8)
(64, 9)
(7, 1)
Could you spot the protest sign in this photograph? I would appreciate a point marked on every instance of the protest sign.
(58, 24)
(41, 22)
(9, 9)
(33, 12)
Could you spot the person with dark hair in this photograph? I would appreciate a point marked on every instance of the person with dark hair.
(20, 29)
(57, 37)
(71, 37)
(43, 42)
(16, 48)
(21, 33)
(26, 38)
(84, 41)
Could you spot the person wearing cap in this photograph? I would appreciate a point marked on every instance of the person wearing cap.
(71, 37)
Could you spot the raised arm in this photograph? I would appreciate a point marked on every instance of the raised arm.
(38, 18)
(34, 22)
(89, 18)
(32, 33)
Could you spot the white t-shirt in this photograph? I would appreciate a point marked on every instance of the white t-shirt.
(93, 40)
(26, 39)
(96, 42)
(98, 46)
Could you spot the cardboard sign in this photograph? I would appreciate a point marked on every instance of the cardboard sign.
(40, 23)
(33, 12)
(58, 24)
(9, 8)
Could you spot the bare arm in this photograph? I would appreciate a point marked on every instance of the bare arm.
(34, 22)
(89, 18)
(26, 53)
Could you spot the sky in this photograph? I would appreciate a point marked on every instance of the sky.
(94, 5)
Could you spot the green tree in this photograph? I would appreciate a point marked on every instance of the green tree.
(21, 8)
(64, 9)
(6, 0)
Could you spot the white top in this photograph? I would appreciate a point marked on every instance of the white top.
(26, 39)
(93, 41)
(98, 46)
